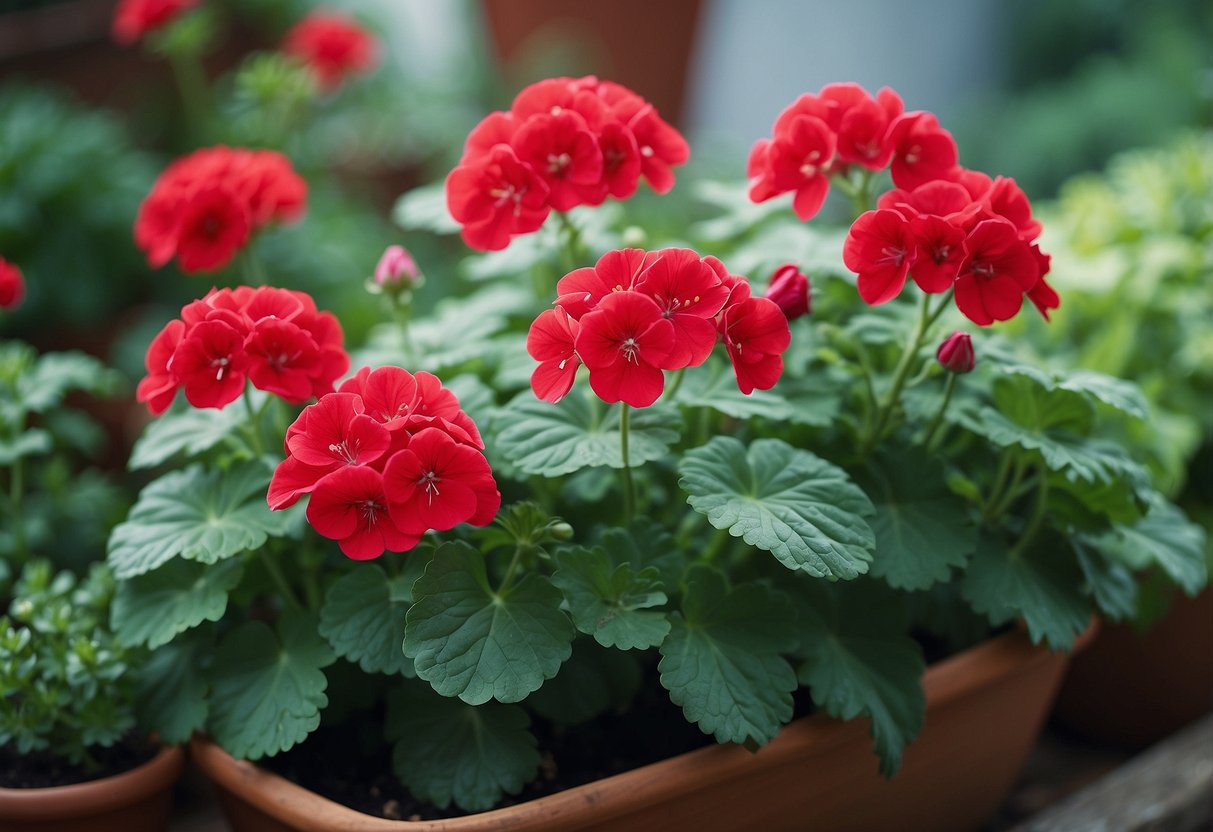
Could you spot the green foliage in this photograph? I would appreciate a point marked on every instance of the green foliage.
(363, 617)
(612, 604)
(448, 751)
(66, 683)
(185, 430)
(153, 608)
(722, 661)
(470, 640)
(789, 502)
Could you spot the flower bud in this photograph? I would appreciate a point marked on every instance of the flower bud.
(396, 267)
(12, 285)
(956, 353)
(789, 289)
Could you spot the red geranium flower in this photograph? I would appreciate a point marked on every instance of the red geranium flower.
(282, 359)
(624, 342)
(158, 389)
(997, 270)
(1043, 296)
(862, 123)
(661, 148)
(563, 151)
(210, 363)
(438, 483)
(756, 334)
(880, 249)
(795, 160)
(922, 150)
(213, 226)
(551, 343)
(135, 18)
(789, 289)
(349, 506)
(690, 295)
(333, 47)
(12, 285)
(388, 394)
(580, 290)
(337, 431)
(938, 251)
(496, 197)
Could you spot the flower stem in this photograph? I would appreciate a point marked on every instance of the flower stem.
(401, 312)
(629, 488)
(279, 579)
(508, 578)
(932, 440)
(571, 236)
(1006, 492)
(254, 424)
(254, 271)
(1038, 514)
(191, 84)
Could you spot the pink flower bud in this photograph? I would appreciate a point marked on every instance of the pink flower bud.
(789, 289)
(396, 268)
(956, 353)
(12, 285)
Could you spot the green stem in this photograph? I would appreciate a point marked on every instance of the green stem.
(254, 424)
(673, 388)
(719, 540)
(191, 84)
(1008, 492)
(931, 441)
(629, 488)
(254, 271)
(279, 579)
(16, 495)
(1038, 515)
(401, 312)
(571, 237)
(507, 579)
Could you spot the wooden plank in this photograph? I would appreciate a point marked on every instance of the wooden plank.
(1167, 789)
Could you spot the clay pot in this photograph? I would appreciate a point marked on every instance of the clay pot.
(139, 800)
(1132, 689)
(985, 707)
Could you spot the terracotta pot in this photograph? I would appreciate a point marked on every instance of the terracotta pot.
(139, 800)
(1132, 689)
(652, 59)
(984, 709)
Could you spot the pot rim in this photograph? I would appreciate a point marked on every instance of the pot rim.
(80, 800)
(957, 677)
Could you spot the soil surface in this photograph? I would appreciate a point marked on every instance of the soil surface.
(41, 770)
(652, 729)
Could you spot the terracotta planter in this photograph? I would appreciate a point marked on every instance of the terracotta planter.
(1132, 689)
(984, 709)
(139, 800)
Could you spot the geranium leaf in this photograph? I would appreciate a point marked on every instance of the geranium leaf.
(171, 689)
(611, 604)
(363, 618)
(792, 400)
(580, 432)
(858, 661)
(184, 429)
(268, 691)
(1105, 390)
(805, 511)
(30, 442)
(197, 514)
(646, 543)
(154, 607)
(1040, 585)
(591, 682)
(449, 751)
(57, 373)
(1163, 539)
(472, 641)
(424, 209)
(922, 528)
(721, 661)
(1109, 583)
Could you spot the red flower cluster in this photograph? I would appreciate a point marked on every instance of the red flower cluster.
(274, 338)
(333, 47)
(204, 206)
(564, 142)
(386, 458)
(12, 285)
(962, 231)
(842, 126)
(135, 18)
(636, 314)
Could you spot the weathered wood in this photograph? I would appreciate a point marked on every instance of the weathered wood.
(1167, 789)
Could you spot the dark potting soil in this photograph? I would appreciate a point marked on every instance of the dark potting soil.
(652, 729)
(40, 770)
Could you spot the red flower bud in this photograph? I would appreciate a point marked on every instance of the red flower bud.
(789, 289)
(12, 285)
(396, 268)
(956, 353)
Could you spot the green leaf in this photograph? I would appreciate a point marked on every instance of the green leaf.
(1164, 539)
(922, 529)
(171, 690)
(477, 643)
(58, 373)
(1110, 584)
(1106, 390)
(590, 683)
(858, 661)
(1041, 585)
(198, 514)
(646, 543)
(450, 751)
(268, 692)
(188, 430)
(29, 442)
(789, 502)
(721, 661)
(793, 400)
(580, 432)
(154, 607)
(424, 209)
(610, 605)
(363, 618)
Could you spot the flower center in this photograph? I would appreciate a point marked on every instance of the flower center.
(893, 254)
(344, 452)
(220, 364)
(429, 483)
(558, 164)
(985, 270)
(630, 348)
(370, 510)
(810, 167)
